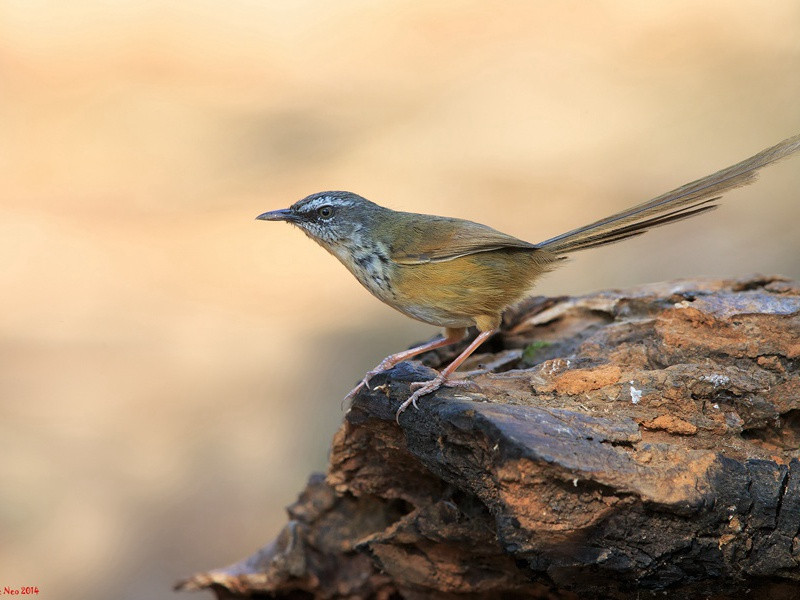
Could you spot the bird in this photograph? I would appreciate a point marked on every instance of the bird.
(455, 274)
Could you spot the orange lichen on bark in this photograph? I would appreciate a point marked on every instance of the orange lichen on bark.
(587, 380)
(671, 424)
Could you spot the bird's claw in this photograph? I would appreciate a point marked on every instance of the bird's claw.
(381, 368)
(440, 381)
(370, 374)
(421, 388)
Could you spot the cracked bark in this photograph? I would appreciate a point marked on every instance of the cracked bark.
(616, 445)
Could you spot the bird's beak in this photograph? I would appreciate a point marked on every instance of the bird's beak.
(284, 214)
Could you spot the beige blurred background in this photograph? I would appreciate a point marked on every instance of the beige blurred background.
(172, 369)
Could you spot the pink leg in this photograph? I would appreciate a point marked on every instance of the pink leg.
(452, 336)
(426, 387)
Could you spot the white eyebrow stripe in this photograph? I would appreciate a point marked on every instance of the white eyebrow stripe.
(325, 201)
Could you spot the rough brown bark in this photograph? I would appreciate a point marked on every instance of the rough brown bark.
(616, 445)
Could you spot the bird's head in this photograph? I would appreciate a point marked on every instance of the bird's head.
(330, 218)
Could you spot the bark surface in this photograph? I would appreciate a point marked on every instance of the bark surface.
(617, 445)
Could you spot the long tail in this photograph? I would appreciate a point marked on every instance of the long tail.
(687, 201)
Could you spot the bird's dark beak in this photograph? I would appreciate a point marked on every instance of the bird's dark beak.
(285, 214)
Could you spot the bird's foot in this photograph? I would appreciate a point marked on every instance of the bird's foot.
(352, 393)
(386, 364)
(421, 388)
(453, 335)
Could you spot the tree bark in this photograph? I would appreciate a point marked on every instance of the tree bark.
(617, 445)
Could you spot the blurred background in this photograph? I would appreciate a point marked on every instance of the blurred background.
(172, 369)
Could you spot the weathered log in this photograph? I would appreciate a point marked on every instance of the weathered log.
(617, 445)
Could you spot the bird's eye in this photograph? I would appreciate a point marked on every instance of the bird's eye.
(326, 212)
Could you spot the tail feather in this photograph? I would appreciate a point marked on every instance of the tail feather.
(629, 231)
(684, 202)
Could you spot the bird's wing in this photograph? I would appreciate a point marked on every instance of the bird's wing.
(426, 239)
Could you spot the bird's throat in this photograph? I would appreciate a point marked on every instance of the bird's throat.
(369, 262)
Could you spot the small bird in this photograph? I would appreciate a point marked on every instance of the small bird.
(454, 273)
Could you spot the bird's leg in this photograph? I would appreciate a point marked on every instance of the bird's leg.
(426, 387)
(451, 336)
